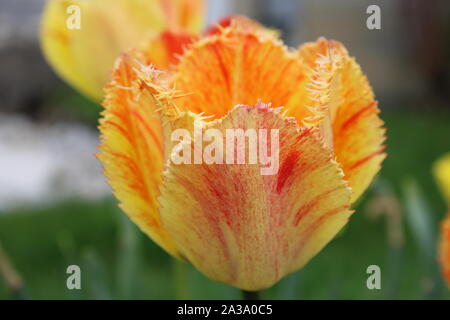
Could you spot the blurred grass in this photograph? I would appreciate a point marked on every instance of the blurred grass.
(123, 263)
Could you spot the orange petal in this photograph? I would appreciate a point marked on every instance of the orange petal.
(444, 257)
(238, 65)
(164, 50)
(357, 131)
(131, 150)
(246, 229)
(241, 21)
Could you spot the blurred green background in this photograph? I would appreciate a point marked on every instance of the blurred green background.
(396, 223)
(118, 261)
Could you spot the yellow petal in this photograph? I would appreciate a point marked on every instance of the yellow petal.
(246, 229)
(131, 150)
(444, 249)
(84, 57)
(441, 170)
(238, 64)
(356, 130)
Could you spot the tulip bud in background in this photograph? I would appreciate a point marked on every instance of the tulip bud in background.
(84, 55)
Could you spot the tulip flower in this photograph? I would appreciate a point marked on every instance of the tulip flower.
(84, 54)
(234, 224)
(441, 170)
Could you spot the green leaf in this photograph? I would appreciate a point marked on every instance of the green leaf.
(423, 228)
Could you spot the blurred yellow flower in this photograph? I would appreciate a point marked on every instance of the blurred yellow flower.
(84, 55)
(441, 171)
(233, 224)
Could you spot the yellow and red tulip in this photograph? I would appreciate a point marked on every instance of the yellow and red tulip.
(84, 57)
(441, 170)
(233, 224)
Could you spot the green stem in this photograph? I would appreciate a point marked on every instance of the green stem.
(251, 295)
(180, 277)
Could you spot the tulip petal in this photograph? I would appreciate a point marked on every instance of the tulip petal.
(85, 57)
(357, 130)
(249, 230)
(444, 252)
(164, 49)
(238, 64)
(184, 14)
(241, 22)
(131, 149)
(441, 170)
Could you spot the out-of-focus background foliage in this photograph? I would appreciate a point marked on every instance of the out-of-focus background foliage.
(56, 210)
